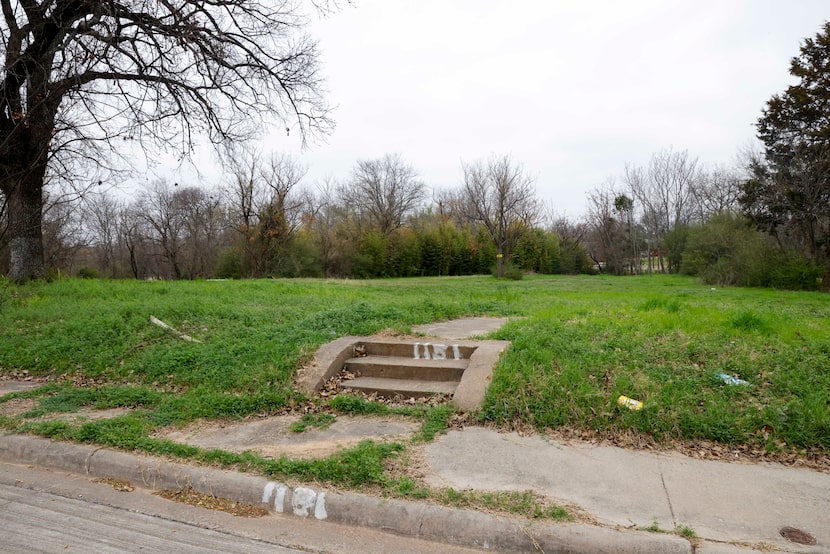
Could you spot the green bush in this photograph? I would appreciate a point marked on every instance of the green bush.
(229, 264)
(796, 273)
(88, 273)
(725, 250)
(509, 271)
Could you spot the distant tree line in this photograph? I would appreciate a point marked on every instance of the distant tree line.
(264, 220)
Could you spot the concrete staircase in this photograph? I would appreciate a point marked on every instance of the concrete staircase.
(408, 369)
(392, 369)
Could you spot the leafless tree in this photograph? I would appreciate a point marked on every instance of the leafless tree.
(664, 192)
(101, 213)
(500, 196)
(607, 242)
(204, 220)
(63, 231)
(717, 190)
(241, 190)
(282, 176)
(325, 218)
(131, 234)
(160, 206)
(266, 205)
(384, 191)
(77, 72)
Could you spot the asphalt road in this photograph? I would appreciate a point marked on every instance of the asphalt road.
(37, 521)
(53, 511)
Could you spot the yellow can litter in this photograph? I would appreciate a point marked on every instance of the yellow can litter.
(630, 403)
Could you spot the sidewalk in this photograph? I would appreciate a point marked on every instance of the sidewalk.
(734, 503)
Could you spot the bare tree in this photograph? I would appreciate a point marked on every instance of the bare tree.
(81, 71)
(664, 192)
(607, 241)
(241, 188)
(160, 206)
(204, 221)
(131, 234)
(500, 196)
(324, 218)
(101, 213)
(384, 191)
(266, 205)
(282, 176)
(717, 190)
(63, 233)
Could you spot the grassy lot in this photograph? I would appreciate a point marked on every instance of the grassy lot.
(580, 343)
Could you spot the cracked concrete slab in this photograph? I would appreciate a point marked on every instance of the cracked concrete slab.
(721, 501)
(272, 437)
(747, 502)
(614, 485)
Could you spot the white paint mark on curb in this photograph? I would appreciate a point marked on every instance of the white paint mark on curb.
(417, 353)
(320, 507)
(302, 501)
(268, 492)
(456, 352)
(279, 499)
(426, 351)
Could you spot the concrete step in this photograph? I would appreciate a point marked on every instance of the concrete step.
(408, 388)
(408, 349)
(407, 368)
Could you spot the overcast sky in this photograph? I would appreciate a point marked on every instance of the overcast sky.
(572, 89)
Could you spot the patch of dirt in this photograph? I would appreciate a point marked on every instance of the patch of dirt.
(393, 334)
(797, 536)
(122, 486)
(23, 375)
(17, 406)
(272, 437)
(86, 414)
(193, 498)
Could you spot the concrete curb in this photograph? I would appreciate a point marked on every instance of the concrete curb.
(420, 520)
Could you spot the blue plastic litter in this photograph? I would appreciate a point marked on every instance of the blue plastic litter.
(730, 380)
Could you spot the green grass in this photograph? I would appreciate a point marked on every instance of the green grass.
(320, 421)
(435, 419)
(580, 343)
(523, 503)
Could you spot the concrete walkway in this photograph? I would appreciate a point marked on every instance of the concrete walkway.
(734, 503)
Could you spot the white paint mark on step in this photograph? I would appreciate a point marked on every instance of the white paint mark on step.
(439, 351)
(456, 352)
(417, 353)
(426, 351)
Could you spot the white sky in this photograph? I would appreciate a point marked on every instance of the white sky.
(571, 89)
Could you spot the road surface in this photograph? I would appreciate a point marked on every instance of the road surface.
(52, 511)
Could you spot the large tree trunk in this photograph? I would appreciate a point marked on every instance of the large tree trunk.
(25, 210)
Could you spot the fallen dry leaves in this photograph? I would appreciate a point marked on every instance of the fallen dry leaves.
(193, 498)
